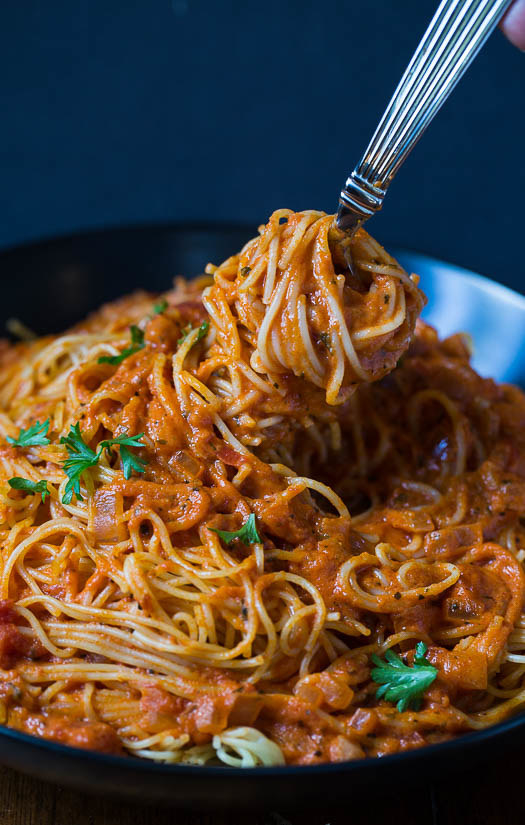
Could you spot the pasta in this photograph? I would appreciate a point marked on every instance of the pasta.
(229, 514)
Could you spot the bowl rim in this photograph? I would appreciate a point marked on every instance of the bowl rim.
(475, 738)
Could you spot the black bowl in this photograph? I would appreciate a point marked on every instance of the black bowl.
(51, 284)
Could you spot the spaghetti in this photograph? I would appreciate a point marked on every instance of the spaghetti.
(215, 519)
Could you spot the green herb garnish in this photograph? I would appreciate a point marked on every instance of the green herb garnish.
(82, 457)
(401, 683)
(30, 486)
(185, 331)
(245, 271)
(130, 462)
(160, 307)
(34, 436)
(247, 534)
(137, 343)
(203, 330)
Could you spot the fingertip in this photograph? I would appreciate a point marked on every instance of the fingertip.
(513, 24)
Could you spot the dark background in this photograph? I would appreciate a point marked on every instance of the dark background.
(122, 111)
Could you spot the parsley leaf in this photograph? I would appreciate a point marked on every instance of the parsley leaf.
(137, 336)
(32, 437)
(203, 330)
(401, 683)
(185, 331)
(137, 343)
(128, 440)
(81, 457)
(160, 307)
(31, 486)
(247, 534)
(130, 462)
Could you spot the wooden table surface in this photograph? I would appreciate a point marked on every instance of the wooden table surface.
(491, 794)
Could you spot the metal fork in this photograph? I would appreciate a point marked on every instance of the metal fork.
(455, 35)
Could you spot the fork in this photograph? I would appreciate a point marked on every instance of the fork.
(455, 35)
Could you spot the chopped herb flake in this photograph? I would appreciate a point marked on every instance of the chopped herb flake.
(137, 343)
(160, 307)
(34, 436)
(29, 486)
(401, 683)
(247, 534)
(203, 331)
(130, 462)
(82, 457)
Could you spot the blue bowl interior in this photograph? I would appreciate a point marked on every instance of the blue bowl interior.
(493, 315)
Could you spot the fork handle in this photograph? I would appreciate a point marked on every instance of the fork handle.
(455, 35)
